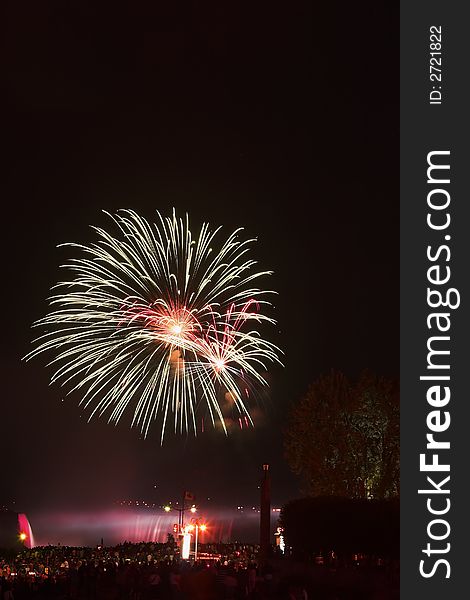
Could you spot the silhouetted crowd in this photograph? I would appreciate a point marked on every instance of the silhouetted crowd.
(150, 571)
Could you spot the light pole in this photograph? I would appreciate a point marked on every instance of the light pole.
(182, 529)
(197, 526)
(169, 507)
(265, 515)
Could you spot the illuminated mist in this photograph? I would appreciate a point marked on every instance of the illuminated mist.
(87, 528)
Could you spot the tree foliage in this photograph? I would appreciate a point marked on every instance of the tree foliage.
(347, 526)
(342, 438)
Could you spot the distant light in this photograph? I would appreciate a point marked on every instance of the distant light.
(191, 527)
(167, 508)
(193, 509)
(23, 536)
(203, 527)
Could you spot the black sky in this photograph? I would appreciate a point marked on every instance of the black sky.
(282, 119)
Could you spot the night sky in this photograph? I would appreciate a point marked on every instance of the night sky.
(281, 119)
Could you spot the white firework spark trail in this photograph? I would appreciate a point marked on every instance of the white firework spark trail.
(159, 323)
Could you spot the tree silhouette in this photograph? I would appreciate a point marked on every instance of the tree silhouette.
(342, 438)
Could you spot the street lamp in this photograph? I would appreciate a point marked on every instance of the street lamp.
(197, 526)
(193, 509)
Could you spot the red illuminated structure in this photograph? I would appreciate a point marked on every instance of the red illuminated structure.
(15, 530)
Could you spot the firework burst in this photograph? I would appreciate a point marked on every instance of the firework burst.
(159, 324)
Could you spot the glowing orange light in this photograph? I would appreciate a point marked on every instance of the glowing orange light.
(193, 509)
(203, 527)
(176, 329)
(23, 536)
(167, 508)
(190, 527)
